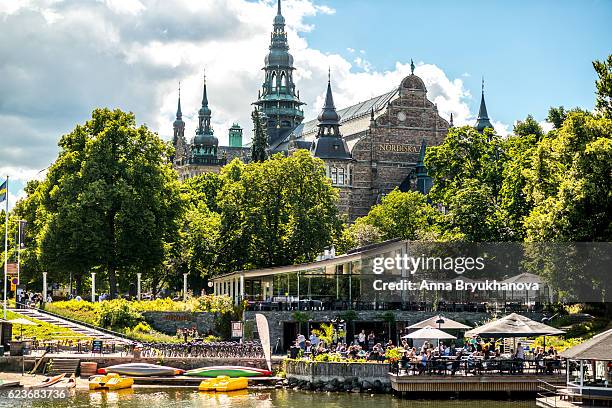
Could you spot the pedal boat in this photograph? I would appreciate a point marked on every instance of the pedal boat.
(211, 383)
(232, 384)
(110, 382)
(224, 383)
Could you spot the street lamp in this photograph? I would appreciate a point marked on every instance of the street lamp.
(440, 322)
(185, 287)
(93, 287)
(44, 288)
(139, 276)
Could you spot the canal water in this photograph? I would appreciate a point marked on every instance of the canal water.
(177, 397)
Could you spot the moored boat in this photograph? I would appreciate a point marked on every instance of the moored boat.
(49, 381)
(229, 371)
(232, 384)
(211, 383)
(112, 381)
(141, 370)
(66, 383)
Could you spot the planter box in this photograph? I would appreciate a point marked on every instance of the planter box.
(325, 371)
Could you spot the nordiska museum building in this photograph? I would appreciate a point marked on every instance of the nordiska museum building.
(368, 149)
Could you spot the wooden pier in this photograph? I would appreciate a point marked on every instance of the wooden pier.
(471, 383)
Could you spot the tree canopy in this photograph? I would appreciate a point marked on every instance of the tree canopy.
(110, 201)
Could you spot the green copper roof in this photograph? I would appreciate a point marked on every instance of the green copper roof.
(482, 122)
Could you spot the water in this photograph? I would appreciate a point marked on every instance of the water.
(181, 397)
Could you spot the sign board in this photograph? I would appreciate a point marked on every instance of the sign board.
(236, 330)
(96, 346)
(11, 269)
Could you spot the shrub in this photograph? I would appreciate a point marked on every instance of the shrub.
(118, 314)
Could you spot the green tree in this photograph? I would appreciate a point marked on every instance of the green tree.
(277, 212)
(527, 127)
(556, 116)
(603, 84)
(357, 235)
(467, 171)
(259, 147)
(514, 206)
(110, 201)
(568, 183)
(400, 215)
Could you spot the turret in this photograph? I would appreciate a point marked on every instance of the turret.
(204, 141)
(482, 122)
(329, 143)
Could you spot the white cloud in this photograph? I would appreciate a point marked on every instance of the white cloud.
(75, 56)
(546, 126)
(131, 7)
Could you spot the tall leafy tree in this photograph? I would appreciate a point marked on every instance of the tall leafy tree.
(259, 147)
(467, 170)
(277, 212)
(556, 116)
(111, 199)
(568, 183)
(603, 103)
(405, 215)
(527, 127)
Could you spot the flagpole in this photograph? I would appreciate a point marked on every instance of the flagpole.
(6, 244)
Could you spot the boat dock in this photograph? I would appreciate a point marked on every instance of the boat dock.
(470, 383)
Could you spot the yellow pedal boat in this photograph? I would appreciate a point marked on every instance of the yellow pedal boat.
(224, 384)
(211, 383)
(110, 382)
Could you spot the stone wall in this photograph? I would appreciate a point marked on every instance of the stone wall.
(169, 322)
(326, 371)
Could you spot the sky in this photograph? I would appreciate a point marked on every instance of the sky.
(60, 59)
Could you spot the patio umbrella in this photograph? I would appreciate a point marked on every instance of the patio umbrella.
(428, 333)
(441, 322)
(514, 325)
(22, 322)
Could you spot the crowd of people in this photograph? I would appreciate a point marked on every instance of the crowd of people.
(27, 299)
(363, 347)
(474, 354)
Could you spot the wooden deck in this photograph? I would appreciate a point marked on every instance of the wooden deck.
(554, 402)
(471, 383)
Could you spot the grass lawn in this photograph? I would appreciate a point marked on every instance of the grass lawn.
(44, 331)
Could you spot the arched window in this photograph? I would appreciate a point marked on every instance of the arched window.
(283, 81)
(273, 81)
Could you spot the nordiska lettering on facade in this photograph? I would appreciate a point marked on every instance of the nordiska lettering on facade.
(398, 148)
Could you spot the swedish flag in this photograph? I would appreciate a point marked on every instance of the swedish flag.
(3, 191)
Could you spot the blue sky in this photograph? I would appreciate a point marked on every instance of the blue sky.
(60, 59)
(533, 54)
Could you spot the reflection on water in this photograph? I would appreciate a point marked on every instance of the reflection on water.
(182, 397)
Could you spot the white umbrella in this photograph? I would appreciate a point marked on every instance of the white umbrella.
(428, 333)
(441, 322)
(514, 325)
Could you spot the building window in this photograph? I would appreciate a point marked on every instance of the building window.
(334, 175)
(341, 177)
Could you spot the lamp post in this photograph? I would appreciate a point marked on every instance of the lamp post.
(44, 288)
(139, 276)
(440, 322)
(93, 287)
(185, 287)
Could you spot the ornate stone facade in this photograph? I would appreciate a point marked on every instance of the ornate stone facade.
(380, 147)
(385, 144)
